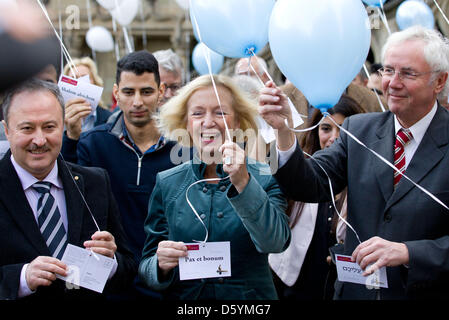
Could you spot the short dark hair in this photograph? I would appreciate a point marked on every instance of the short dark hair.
(375, 67)
(31, 85)
(138, 62)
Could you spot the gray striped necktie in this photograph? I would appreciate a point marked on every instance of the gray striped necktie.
(49, 220)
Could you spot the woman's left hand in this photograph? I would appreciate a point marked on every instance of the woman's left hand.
(235, 165)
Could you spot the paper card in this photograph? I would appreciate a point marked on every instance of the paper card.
(206, 260)
(349, 271)
(267, 132)
(80, 88)
(86, 269)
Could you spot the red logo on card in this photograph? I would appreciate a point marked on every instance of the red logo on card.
(193, 247)
(69, 81)
(347, 259)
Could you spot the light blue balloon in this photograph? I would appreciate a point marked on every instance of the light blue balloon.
(199, 59)
(414, 12)
(320, 45)
(232, 27)
(374, 3)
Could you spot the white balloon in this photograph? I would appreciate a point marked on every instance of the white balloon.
(99, 39)
(109, 4)
(183, 4)
(125, 12)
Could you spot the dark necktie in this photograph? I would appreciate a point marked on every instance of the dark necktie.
(402, 139)
(50, 221)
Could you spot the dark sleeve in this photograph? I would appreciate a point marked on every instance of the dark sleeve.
(304, 180)
(83, 152)
(9, 281)
(69, 149)
(127, 267)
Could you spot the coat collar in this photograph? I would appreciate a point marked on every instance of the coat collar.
(431, 150)
(14, 200)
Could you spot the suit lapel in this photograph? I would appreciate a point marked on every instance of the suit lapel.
(16, 204)
(429, 153)
(384, 147)
(74, 201)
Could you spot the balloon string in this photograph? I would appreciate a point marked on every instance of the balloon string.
(260, 65)
(306, 129)
(193, 208)
(128, 43)
(89, 20)
(60, 32)
(377, 95)
(64, 49)
(441, 11)
(117, 49)
(388, 163)
(142, 18)
(209, 67)
(332, 195)
(383, 17)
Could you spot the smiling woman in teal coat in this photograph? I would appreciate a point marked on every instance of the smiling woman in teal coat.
(240, 203)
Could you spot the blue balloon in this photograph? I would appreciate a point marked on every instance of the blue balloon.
(199, 57)
(374, 3)
(414, 12)
(232, 28)
(320, 45)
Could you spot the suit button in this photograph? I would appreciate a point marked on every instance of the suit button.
(203, 216)
(387, 218)
(220, 215)
(205, 189)
(220, 280)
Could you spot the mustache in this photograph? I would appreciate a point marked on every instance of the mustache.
(34, 147)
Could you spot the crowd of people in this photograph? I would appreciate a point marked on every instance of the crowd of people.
(180, 162)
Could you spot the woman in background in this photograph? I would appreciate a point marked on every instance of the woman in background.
(79, 116)
(304, 271)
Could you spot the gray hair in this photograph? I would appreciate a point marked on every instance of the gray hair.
(169, 61)
(31, 85)
(436, 49)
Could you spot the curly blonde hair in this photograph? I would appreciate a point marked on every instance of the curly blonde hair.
(173, 114)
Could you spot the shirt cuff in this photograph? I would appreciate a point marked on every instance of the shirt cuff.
(284, 156)
(24, 290)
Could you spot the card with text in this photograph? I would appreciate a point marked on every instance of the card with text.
(206, 260)
(80, 88)
(349, 271)
(86, 268)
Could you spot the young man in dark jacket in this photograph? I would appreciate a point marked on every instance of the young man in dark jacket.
(130, 148)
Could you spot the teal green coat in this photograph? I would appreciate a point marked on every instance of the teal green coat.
(254, 222)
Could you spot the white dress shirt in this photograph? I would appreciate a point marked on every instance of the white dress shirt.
(418, 130)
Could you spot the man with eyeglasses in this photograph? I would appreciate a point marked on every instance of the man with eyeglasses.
(400, 227)
(171, 72)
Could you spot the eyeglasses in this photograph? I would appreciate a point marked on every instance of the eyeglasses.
(173, 87)
(403, 75)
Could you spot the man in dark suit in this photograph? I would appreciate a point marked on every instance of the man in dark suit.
(46, 204)
(400, 227)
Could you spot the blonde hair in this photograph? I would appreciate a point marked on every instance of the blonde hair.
(90, 64)
(173, 114)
